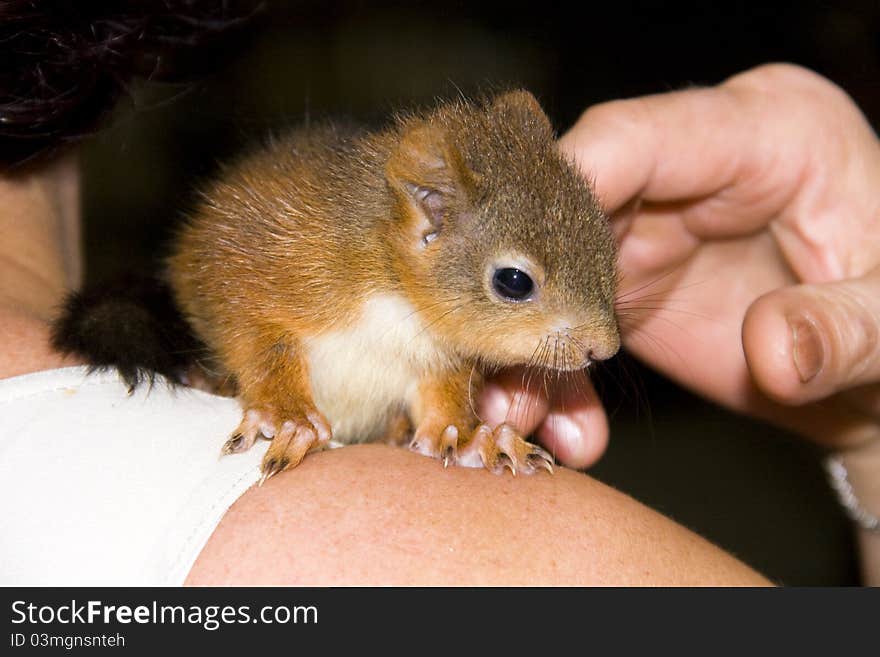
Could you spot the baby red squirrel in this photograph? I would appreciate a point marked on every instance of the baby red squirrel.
(356, 285)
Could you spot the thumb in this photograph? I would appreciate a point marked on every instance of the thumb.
(808, 342)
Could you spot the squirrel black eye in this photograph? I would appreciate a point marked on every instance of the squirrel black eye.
(512, 284)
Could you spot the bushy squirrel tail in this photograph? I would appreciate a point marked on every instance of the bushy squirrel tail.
(132, 325)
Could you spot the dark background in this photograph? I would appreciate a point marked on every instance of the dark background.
(748, 487)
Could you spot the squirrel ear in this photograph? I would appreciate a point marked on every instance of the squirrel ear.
(429, 174)
(521, 104)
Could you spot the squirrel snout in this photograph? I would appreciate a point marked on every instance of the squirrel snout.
(567, 352)
(586, 343)
(603, 348)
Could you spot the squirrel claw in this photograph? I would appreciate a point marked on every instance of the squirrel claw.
(540, 458)
(303, 432)
(293, 440)
(448, 445)
(442, 445)
(505, 449)
(253, 425)
(271, 468)
(233, 445)
(497, 450)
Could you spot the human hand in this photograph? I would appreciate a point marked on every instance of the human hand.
(750, 244)
(749, 225)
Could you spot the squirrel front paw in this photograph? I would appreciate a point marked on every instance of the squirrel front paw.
(497, 450)
(294, 433)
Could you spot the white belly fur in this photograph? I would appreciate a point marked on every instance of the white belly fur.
(364, 374)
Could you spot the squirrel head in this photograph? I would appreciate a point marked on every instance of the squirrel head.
(499, 242)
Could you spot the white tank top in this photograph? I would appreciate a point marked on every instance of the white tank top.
(100, 488)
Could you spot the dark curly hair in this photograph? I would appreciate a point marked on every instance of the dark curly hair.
(64, 63)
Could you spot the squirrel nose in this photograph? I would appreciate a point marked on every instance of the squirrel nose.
(604, 348)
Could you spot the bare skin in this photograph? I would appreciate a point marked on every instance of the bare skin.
(39, 261)
(379, 515)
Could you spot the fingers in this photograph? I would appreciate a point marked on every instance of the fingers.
(808, 342)
(567, 416)
(658, 148)
(509, 397)
(575, 430)
(737, 152)
(655, 241)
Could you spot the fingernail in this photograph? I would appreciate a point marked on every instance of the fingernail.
(808, 353)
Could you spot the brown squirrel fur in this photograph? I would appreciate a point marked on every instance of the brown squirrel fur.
(344, 279)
